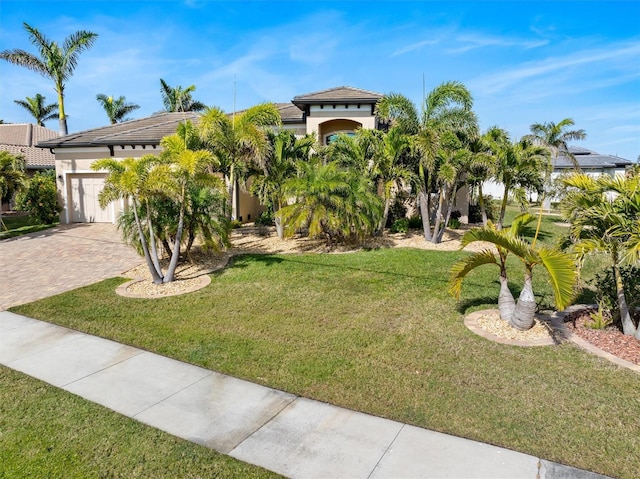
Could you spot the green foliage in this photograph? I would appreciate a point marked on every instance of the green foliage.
(401, 225)
(265, 219)
(601, 318)
(40, 198)
(607, 296)
(491, 207)
(12, 175)
(415, 222)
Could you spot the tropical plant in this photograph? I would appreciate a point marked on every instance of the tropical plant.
(38, 109)
(446, 112)
(54, 61)
(556, 136)
(238, 142)
(12, 177)
(116, 109)
(481, 168)
(177, 99)
(330, 202)
(519, 163)
(40, 198)
(604, 214)
(286, 150)
(560, 267)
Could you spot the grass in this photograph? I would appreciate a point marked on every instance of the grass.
(376, 331)
(51, 433)
(20, 225)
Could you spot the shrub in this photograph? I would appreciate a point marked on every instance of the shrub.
(415, 222)
(265, 219)
(491, 206)
(40, 198)
(400, 225)
(607, 296)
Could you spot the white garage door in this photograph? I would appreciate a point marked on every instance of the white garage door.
(85, 207)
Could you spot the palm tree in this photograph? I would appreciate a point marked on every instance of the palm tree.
(129, 178)
(559, 266)
(116, 109)
(519, 163)
(604, 213)
(38, 109)
(55, 62)
(178, 98)
(482, 168)
(330, 202)
(238, 142)
(556, 137)
(12, 177)
(447, 108)
(286, 150)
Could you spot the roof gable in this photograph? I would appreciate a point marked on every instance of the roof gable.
(341, 94)
(588, 159)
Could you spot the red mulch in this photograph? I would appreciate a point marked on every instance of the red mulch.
(609, 339)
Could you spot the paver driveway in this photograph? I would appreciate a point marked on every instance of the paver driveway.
(52, 261)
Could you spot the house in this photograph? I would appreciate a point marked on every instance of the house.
(590, 163)
(326, 113)
(21, 139)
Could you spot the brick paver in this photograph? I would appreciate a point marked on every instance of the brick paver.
(52, 261)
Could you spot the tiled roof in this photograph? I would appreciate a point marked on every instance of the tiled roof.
(21, 138)
(290, 113)
(588, 159)
(143, 131)
(338, 94)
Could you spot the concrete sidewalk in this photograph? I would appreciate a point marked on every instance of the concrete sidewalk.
(293, 436)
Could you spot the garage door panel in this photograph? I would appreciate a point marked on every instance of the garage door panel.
(85, 207)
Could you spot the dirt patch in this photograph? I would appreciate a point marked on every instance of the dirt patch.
(609, 339)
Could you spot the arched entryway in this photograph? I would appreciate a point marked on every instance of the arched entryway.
(329, 129)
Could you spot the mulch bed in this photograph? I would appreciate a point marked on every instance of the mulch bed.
(609, 339)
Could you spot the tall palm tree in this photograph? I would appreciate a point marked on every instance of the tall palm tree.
(556, 136)
(177, 99)
(54, 61)
(238, 142)
(129, 178)
(519, 163)
(560, 267)
(116, 109)
(37, 108)
(604, 214)
(12, 177)
(447, 108)
(482, 168)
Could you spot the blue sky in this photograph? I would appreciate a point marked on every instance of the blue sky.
(524, 62)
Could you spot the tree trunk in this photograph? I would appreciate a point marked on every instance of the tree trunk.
(628, 328)
(438, 220)
(483, 209)
(451, 199)
(525, 310)
(423, 203)
(175, 255)
(62, 118)
(152, 242)
(385, 216)
(155, 274)
(503, 206)
(506, 302)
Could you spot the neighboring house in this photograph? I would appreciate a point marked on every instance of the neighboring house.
(590, 162)
(325, 113)
(22, 138)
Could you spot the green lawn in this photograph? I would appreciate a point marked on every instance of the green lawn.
(377, 331)
(50, 433)
(19, 225)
